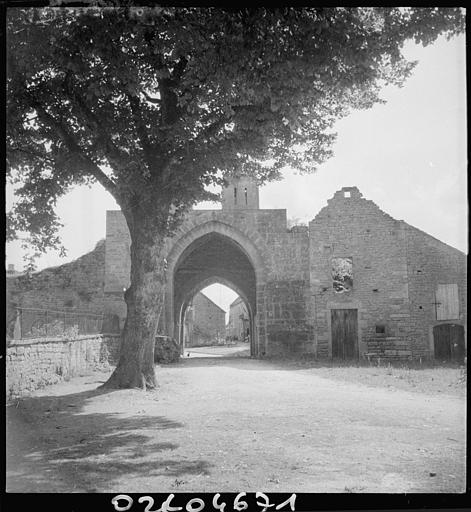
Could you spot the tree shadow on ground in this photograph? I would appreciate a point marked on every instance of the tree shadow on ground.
(72, 450)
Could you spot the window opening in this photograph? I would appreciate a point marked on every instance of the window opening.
(235, 195)
(342, 274)
(447, 302)
(380, 329)
(245, 191)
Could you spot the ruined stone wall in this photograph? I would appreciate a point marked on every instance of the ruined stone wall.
(353, 227)
(77, 285)
(430, 263)
(37, 363)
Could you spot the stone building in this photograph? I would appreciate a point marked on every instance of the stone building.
(204, 322)
(238, 324)
(355, 283)
(408, 292)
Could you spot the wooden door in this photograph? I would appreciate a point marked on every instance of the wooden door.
(344, 333)
(448, 340)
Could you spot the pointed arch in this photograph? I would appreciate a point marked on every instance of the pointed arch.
(192, 240)
(214, 226)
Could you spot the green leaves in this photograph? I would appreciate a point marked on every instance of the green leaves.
(166, 99)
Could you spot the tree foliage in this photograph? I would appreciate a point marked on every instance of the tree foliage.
(155, 104)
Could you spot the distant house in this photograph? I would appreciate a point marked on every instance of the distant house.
(238, 325)
(11, 270)
(204, 322)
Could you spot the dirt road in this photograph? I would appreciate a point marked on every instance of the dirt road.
(222, 424)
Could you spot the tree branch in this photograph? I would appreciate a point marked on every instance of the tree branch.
(141, 131)
(77, 151)
(179, 69)
(113, 153)
(169, 100)
(169, 110)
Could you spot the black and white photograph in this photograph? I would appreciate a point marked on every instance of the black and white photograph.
(236, 253)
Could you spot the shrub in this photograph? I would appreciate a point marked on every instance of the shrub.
(166, 350)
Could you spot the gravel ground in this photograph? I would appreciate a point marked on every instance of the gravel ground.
(233, 424)
(236, 350)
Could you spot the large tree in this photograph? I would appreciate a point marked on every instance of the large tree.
(157, 104)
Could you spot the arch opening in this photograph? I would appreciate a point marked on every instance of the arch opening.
(213, 258)
(216, 322)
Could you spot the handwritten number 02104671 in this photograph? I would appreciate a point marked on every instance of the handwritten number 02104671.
(197, 504)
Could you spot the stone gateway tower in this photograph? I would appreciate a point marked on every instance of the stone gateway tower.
(355, 283)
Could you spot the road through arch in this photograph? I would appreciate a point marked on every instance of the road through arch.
(210, 253)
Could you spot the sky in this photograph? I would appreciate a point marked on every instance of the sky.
(409, 156)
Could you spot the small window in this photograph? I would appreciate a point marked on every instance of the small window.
(245, 192)
(380, 329)
(342, 274)
(235, 195)
(347, 193)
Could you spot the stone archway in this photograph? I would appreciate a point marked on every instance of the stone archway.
(212, 252)
(183, 305)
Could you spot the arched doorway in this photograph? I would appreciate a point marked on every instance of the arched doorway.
(210, 258)
(448, 341)
(215, 322)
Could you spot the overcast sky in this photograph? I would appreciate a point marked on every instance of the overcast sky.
(409, 156)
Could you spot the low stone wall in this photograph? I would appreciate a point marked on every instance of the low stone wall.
(33, 364)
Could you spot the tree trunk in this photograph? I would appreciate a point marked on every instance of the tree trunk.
(144, 300)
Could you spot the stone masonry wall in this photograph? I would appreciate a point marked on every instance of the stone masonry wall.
(430, 263)
(41, 362)
(285, 256)
(285, 259)
(77, 285)
(284, 251)
(287, 329)
(353, 227)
